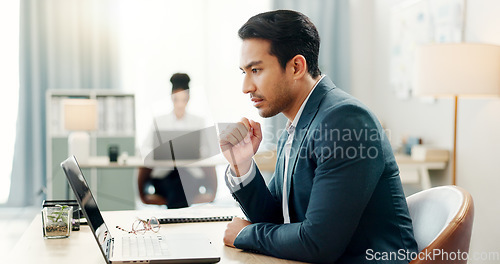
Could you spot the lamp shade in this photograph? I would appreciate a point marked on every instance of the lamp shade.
(457, 69)
(80, 114)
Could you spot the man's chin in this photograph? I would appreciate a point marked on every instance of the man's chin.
(268, 113)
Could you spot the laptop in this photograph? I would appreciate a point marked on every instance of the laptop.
(148, 248)
(166, 142)
(185, 144)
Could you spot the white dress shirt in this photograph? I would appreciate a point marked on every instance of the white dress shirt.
(247, 177)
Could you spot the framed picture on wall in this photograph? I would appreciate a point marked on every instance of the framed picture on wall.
(416, 22)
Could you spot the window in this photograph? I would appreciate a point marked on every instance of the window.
(9, 68)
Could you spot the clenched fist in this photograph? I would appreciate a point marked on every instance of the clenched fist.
(239, 142)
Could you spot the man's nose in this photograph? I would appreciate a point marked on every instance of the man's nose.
(248, 86)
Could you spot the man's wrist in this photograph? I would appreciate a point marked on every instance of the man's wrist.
(241, 169)
(239, 233)
(243, 179)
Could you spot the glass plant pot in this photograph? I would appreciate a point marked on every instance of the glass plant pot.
(57, 221)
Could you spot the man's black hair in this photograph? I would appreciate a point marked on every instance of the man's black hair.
(291, 33)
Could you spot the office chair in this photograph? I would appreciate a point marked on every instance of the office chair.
(200, 184)
(194, 185)
(442, 222)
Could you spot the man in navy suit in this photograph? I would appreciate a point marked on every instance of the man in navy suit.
(336, 194)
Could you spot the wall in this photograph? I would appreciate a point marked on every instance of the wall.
(478, 166)
(362, 36)
(370, 78)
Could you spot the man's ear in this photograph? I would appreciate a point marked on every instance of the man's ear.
(298, 65)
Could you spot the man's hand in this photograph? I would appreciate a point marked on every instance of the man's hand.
(233, 229)
(239, 142)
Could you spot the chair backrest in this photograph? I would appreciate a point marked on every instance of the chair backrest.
(199, 184)
(442, 222)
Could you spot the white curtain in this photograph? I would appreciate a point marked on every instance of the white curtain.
(331, 18)
(9, 68)
(64, 44)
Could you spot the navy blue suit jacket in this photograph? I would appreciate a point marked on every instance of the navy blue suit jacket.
(344, 192)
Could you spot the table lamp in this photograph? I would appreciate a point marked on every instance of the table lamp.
(457, 69)
(80, 117)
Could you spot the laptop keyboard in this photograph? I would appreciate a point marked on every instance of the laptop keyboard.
(144, 245)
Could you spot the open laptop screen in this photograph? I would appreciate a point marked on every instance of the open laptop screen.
(87, 202)
(183, 144)
(188, 140)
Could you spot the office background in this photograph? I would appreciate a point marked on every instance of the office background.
(129, 48)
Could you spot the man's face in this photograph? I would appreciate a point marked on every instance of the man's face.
(265, 80)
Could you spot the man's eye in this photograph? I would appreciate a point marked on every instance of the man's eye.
(255, 70)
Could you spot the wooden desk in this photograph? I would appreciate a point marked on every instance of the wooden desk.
(81, 247)
(417, 171)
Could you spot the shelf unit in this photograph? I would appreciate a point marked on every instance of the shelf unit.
(116, 112)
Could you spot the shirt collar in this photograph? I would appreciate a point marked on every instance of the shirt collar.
(290, 126)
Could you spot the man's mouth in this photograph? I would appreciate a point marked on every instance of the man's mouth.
(257, 101)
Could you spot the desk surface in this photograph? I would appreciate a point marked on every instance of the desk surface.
(81, 247)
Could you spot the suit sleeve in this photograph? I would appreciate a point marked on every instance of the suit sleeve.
(259, 202)
(343, 183)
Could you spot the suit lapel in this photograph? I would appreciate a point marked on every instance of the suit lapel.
(310, 110)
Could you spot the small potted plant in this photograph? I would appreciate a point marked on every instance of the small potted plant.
(57, 221)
